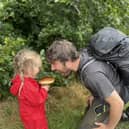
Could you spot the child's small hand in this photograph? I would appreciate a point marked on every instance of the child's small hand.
(46, 87)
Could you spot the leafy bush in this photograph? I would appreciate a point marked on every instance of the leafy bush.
(36, 23)
(10, 42)
(8, 47)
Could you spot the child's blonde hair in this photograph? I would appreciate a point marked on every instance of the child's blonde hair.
(25, 60)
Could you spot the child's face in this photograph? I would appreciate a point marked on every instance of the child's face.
(35, 71)
(36, 68)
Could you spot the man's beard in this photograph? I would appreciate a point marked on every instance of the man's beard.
(66, 74)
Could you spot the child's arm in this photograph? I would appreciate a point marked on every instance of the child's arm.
(15, 86)
(35, 94)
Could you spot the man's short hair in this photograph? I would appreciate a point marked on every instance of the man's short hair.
(62, 50)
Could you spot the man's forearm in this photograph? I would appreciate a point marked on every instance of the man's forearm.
(116, 109)
(115, 115)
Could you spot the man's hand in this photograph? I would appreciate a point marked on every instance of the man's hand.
(90, 100)
(116, 108)
(102, 126)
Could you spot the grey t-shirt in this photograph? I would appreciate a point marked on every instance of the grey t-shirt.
(99, 77)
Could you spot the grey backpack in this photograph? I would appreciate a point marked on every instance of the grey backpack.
(111, 45)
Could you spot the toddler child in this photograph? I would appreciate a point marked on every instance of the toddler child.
(31, 95)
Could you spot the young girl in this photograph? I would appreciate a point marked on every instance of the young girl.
(31, 96)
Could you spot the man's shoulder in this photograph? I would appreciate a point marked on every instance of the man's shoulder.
(97, 66)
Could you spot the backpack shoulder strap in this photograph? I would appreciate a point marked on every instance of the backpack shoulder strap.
(84, 67)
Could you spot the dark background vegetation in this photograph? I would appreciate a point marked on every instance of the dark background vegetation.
(36, 23)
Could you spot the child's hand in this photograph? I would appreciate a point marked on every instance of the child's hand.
(46, 87)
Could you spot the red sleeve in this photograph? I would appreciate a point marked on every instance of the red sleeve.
(34, 94)
(15, 86)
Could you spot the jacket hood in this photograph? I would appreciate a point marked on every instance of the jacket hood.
(16, 82)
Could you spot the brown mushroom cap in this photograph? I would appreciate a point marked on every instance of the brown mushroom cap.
(46, 80)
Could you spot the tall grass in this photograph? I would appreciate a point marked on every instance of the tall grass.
(65, 108)
(9, 117)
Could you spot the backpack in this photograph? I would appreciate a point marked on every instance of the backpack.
(111, 45)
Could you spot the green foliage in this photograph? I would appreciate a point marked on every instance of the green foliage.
(8, 48)
(42, 21)
(9, 45)
(36, 23)
(107, 13)
(10, 42)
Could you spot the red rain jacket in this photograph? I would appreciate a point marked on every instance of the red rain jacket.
(31, 102)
